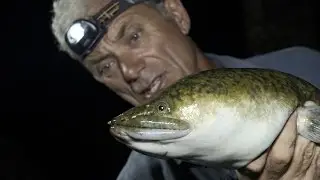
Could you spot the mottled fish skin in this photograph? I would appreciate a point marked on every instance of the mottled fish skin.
(251, 92)
(249, 83)
(227, 85)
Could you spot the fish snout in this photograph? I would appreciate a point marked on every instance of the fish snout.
(119, 120)
(149, 128)
(112, 122)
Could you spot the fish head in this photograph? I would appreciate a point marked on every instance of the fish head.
(159, 128)
(155, 121)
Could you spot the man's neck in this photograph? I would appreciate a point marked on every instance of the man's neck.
(203, 62)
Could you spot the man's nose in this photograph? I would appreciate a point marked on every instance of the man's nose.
(131, 67)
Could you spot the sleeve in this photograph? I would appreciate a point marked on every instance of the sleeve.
(300, 61)
(140, 167)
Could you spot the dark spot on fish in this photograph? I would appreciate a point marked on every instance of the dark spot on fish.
(253, 92)
(256, 88)
(237, 81)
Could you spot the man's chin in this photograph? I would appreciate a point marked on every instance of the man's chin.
(138, 100)
(143, 100)
(150, 98)
(133, 100)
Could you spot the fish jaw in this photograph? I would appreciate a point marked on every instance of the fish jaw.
(148, 128)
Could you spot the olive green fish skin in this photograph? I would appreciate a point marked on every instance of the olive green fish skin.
(228, 86)
(221, 116)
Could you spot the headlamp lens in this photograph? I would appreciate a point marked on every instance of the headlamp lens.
(75, 33)
(81, 36)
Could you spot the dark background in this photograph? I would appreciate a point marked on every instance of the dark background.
(53, 124)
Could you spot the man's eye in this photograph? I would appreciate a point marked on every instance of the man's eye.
(134, 37)
(105, 68)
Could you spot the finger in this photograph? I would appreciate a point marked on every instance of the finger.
(302, 159)
(303, 155)
(282, 151)
(254, 169)
(318, 164)
(313, 172)
(257, 165)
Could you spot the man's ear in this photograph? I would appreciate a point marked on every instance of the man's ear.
(179, 14)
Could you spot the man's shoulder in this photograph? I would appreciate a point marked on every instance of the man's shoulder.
(298, 60)
(287, 54)
(140, 166)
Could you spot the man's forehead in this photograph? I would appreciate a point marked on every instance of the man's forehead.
(99, 6)
(94, 6)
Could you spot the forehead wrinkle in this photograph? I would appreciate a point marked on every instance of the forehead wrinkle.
(116, 25)
(106, 40)
(104, 46)
(96, 5)
(99, 50)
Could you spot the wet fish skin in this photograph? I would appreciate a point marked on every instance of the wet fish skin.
(224, 117)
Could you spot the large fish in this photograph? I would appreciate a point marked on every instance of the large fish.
(221, 117)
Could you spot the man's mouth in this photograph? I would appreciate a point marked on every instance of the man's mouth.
(153, 87)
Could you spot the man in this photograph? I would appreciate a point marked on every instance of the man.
(139, 48)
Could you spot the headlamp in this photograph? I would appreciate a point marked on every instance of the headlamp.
(84, 34)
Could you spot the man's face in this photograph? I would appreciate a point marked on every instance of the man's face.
(142, 53)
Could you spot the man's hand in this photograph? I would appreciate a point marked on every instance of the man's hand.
(291, 157)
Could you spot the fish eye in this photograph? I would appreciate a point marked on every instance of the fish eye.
(162, 107)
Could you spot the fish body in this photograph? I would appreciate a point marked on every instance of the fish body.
(221, 117)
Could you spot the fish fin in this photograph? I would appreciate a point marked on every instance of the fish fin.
(308, 121)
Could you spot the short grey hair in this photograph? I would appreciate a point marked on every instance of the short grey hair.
(67, 11)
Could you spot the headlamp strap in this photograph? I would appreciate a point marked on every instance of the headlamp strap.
(110, 11)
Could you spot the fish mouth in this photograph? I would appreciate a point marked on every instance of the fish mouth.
(149, 128)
